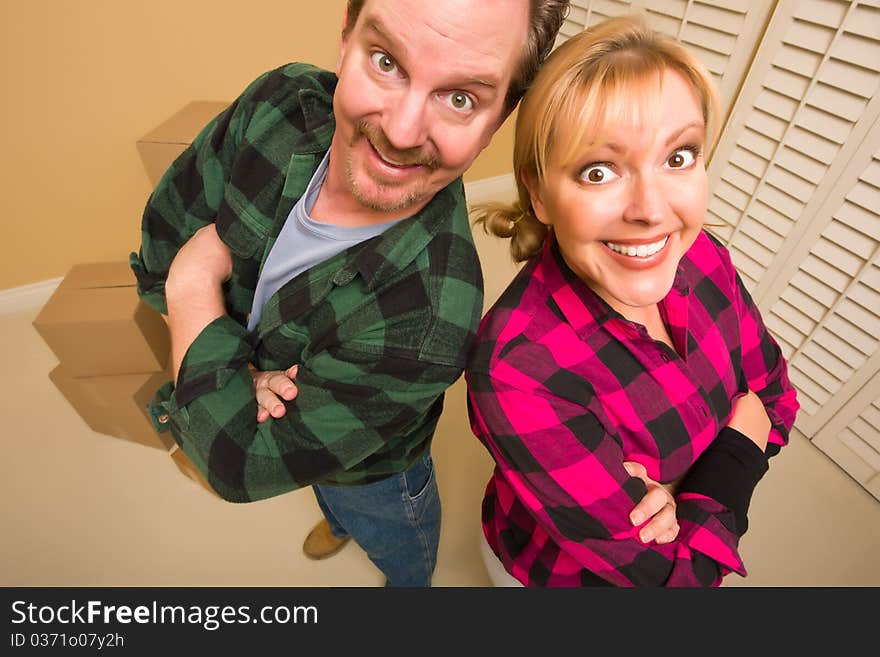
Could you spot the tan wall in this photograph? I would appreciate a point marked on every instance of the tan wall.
(84, 79)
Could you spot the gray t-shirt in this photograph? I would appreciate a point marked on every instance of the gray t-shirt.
(303, 243)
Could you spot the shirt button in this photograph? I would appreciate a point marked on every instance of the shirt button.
(163, 419)
(665, 357)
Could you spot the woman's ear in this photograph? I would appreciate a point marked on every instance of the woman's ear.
(529, 179)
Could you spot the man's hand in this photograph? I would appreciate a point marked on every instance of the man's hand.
(658, 504)
(750, 418)
(193, 289)
(269, 386)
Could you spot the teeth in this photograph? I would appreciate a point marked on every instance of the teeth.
(391, 162)
(387, 160)
(641, 251)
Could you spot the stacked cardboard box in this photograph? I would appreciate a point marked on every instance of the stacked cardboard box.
(113, 350)
(114, 353)
(161, 146)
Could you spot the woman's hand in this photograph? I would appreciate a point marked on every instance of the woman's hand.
(750, 419)
(270, 387)
(658, 504)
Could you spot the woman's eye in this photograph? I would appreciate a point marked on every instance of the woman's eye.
(598, 174)
(682, 158)
(460, 102)
(383, 62)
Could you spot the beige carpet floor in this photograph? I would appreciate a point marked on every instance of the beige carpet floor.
(79, 508)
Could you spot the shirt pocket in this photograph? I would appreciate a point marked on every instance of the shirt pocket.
(282, 346)
(241, 231)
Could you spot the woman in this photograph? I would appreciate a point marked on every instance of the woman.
(626, 359)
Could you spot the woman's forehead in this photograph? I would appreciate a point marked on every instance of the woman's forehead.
(607, 114)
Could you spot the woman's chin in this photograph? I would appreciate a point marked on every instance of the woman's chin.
(637, 299)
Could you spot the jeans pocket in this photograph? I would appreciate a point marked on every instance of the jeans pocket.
(419, 477)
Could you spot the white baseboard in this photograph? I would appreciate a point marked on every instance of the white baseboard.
(499, 188)
(27, 297)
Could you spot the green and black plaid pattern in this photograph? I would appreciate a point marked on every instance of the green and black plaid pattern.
(379, 331)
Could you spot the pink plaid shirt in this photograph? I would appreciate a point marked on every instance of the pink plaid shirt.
(562, 390)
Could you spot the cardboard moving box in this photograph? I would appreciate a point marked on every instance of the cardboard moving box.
(161, 146)
(96, 324)
(188, 469)
(115, 405)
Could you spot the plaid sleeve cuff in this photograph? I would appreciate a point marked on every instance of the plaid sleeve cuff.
(728, 472)
(150, 288)
(218, 352)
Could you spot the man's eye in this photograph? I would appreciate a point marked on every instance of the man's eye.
(383, 62)
(460, 101)
(598, 174)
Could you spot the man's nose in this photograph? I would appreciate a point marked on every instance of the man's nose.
(405, 121)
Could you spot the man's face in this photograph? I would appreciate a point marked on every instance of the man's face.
(421, 91)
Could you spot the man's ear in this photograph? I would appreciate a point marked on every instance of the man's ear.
(343, 42)
(505, 114)
(536, 197)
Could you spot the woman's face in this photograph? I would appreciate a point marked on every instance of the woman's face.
(627, 209)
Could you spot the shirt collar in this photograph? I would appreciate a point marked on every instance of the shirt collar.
(582, 308)
(318, 119)
(392, 251)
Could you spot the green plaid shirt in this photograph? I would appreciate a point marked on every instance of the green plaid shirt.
(379, 331)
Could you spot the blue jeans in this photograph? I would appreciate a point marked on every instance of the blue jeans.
(396, 521)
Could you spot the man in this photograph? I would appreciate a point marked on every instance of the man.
(313, 255)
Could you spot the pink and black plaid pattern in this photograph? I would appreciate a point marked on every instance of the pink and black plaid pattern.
(562, 390)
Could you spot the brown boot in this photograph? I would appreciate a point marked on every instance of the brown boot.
(321, 543)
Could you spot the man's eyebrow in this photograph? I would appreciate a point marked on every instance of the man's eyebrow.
(375, 26)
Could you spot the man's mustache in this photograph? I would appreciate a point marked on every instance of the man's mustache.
(411, 157)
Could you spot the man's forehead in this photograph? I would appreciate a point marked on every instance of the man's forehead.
(413, 29)
(485, 76)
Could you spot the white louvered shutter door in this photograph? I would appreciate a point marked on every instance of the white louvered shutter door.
(586, 13)
(722, 33)
(836, 293)
(852, 438)
(827, 314)
(796, 181)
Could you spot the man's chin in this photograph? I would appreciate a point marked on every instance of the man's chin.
(384, 199)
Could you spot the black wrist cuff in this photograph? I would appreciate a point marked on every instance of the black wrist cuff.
(728, 472)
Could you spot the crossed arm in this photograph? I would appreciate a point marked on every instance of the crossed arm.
(571, 477)
(195, 299)
(194, 289)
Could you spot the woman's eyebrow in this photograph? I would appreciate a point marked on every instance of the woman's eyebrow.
(675, 135)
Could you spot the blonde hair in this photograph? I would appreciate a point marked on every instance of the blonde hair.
(600, 76)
